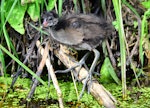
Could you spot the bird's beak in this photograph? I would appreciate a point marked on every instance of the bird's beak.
(45, 23)
(49, 23)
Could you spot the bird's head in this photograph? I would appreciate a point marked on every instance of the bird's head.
(50, 19)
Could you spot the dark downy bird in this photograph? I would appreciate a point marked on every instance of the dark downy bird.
(82, 32)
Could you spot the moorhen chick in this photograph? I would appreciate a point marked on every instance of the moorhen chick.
(81, 32)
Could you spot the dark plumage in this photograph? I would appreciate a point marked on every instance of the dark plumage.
(83, 32)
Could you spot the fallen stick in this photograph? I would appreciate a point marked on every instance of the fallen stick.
(103, 96)
(39, 70)
(53, 76)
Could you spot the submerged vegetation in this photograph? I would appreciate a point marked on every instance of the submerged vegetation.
(17, 97)
(123, 67)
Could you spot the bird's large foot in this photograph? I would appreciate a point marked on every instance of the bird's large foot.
(79, 64)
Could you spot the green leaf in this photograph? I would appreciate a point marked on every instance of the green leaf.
(23, 2)
(146, 4)
(108, 73)
(51, 4)
(16, 16)
(116, 25)
(144, 32)
(33, 11)
(60, 3)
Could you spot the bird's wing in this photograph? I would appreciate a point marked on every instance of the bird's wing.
(67, 36)
(93, 31)
(94, 34)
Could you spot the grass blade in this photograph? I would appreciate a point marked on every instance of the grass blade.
(21, 64)
(117, 7)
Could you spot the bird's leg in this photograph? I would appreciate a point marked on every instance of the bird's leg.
(67, 70)
(97, 54)
(81, 62)
(89, 77)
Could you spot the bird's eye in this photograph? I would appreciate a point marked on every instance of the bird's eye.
(75, 24)
(49, 18)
